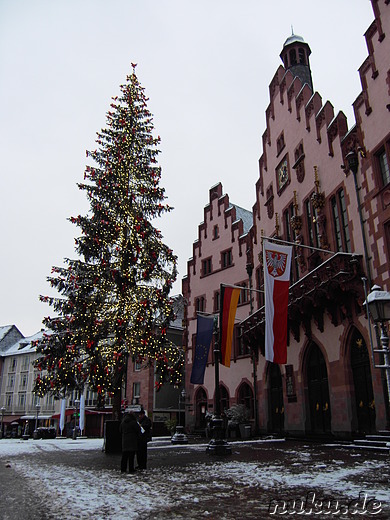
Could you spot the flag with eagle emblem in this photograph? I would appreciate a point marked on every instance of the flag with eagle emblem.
(277, 266)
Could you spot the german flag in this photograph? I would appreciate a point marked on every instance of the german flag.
(229, 300)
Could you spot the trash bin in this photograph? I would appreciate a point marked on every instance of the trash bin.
(245, 431)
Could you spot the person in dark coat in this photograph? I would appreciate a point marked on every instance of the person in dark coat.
(131, 433)
(146, 436)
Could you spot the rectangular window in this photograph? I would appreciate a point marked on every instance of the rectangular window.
(25, 363)
(11, 381)
(8, 401)
(290, 237)
(200, 304)
(340, 222)
(226, 259)
(136, 390)
(13, 365)
(244, 297)
(242, 349)
(22, 400)
(35, 400)
(206, 266)
(384, 167)
(91, 398)
(23, 380)
(259, 286)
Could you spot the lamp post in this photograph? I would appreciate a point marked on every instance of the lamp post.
(179, 437)
(249, 270)
(217, 445)
(37, 408)
(76, 402)
(378, 307)
(2, 421)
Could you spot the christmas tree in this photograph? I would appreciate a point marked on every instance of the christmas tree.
(114, 299)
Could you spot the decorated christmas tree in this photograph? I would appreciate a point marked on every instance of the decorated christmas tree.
(114, 299)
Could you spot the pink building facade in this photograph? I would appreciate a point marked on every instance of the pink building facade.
(326, 188)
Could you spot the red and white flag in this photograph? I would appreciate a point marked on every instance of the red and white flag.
(277, 267)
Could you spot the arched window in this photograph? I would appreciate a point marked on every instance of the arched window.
(200, 408)
(301, 54)
(224, 398)
(293, 57)
(245, 397)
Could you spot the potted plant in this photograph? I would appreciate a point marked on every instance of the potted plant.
(170, 425)
(238, 421)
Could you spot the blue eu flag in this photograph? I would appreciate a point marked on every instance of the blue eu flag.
(204, 334)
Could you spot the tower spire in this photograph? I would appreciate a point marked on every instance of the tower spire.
(295, 56)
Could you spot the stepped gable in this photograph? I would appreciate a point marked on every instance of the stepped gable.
(293, 101)
(238, 219)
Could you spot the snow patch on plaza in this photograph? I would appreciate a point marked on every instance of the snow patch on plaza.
(106, 493)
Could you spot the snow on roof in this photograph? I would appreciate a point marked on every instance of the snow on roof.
(4, 331)
(246, 217)
(24, 345)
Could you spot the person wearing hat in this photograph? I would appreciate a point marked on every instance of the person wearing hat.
(146, 436)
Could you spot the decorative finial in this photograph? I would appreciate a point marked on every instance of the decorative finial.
(292, 30)
(295, 203)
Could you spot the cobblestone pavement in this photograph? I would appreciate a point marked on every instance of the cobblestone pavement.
(258, 480)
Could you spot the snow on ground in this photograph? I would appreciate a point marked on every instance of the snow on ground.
(11, 447)
(106, 493)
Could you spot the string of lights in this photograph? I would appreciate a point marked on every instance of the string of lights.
(114, 298)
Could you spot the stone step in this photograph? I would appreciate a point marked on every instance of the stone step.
(379, 438)
(372, 442)
(368, 447)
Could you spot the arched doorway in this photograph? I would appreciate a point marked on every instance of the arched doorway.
(318, 391)
(275, 400)
(245, 397)
(364, 396)
(200, 409)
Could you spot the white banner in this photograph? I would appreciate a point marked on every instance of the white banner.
(82, 413)
(62, 415)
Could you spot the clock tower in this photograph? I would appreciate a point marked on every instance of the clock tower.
(295, 56)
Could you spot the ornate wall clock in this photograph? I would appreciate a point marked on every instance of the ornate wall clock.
(282, 174)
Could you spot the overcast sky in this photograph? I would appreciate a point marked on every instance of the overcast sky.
(206, 66)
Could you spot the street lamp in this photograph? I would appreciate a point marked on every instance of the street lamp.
(76, 402)
(2, 421)
(378, 307)
(182, 397)
(37, 407)
(179, 436)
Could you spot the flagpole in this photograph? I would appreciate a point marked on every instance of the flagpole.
(242, 288)
(218, 445)
(263, 237)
